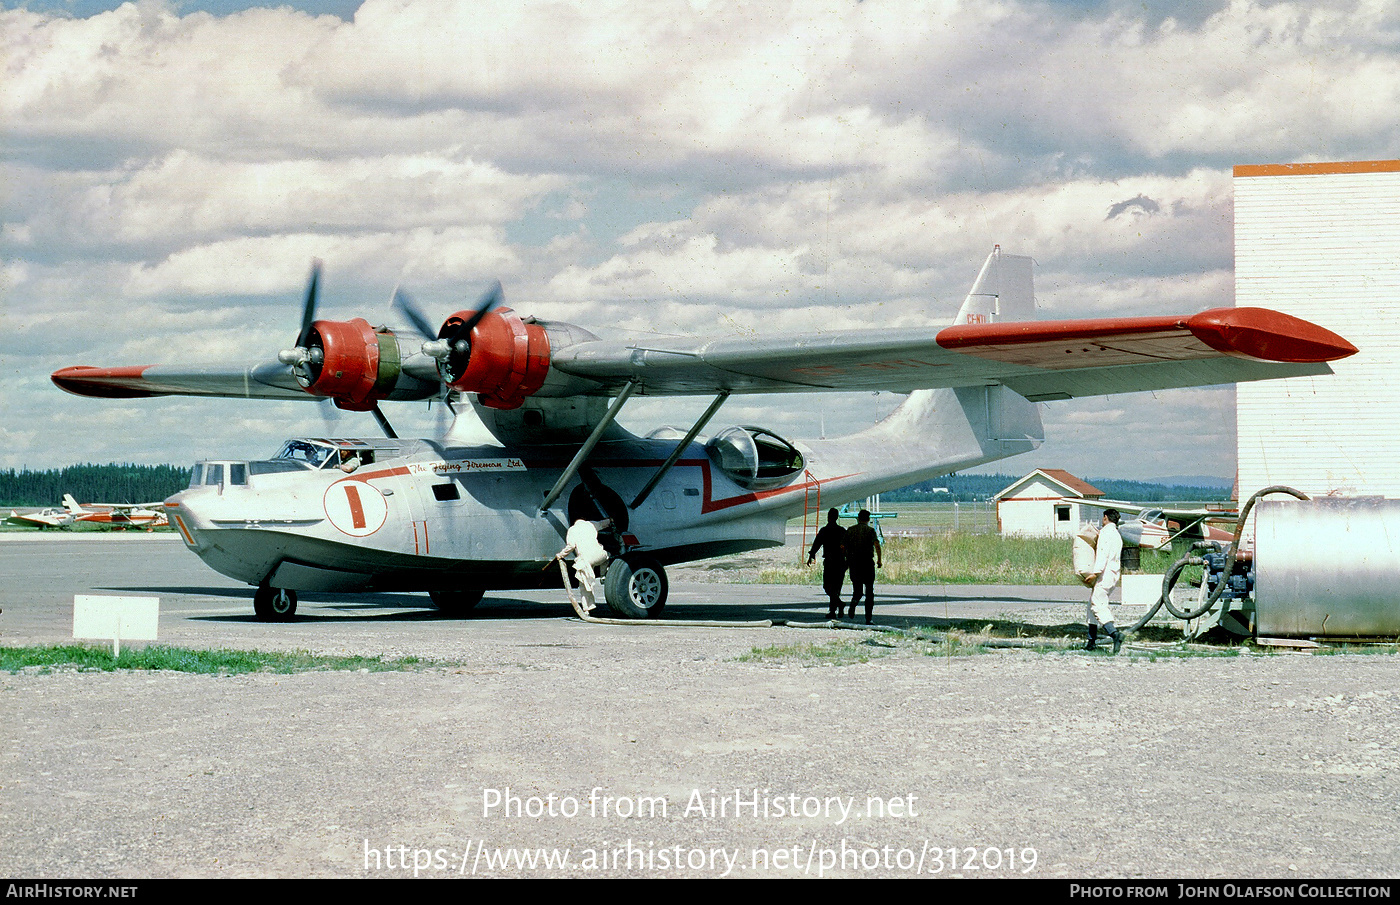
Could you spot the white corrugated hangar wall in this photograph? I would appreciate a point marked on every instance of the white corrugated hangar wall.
(1322, 241)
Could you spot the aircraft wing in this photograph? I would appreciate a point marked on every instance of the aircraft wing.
(1041, 360)
(271, 380)
(1176, 515)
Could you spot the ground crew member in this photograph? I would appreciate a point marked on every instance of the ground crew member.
(863, 554)
(1108, 568)
(582, 539)
(831, 539)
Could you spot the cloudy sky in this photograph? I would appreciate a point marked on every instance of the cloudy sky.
(171, 168)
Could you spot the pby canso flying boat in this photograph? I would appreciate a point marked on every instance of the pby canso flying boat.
(457, 517)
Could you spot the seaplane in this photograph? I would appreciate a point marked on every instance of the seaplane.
(535, 445)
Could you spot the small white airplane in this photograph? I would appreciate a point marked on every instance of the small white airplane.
(51, 517)
(1156, 527)
(487, 506)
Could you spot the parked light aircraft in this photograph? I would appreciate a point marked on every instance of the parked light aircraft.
(487, 506)
(1156, 527)
(117, 515)
(52, 517)
(108, 515)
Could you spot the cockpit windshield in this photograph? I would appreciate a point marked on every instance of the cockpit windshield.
(310, 453)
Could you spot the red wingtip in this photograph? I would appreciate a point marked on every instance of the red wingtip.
(102, 383)
(1267, 335)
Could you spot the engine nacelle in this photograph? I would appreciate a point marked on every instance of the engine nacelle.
(508, 359)
(357, 366)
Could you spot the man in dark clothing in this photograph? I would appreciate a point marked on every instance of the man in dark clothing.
(863, 554)
(831, 538)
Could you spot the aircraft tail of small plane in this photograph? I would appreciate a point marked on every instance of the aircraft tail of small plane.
(72, 505)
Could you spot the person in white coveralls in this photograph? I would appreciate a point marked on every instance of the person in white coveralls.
(1108, 568)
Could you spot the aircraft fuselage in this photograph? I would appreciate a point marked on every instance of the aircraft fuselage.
(425, 517)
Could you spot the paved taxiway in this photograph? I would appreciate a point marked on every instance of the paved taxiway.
(40, 574)
(1266, 766)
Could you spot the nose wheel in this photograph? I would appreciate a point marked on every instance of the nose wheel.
(635, 587)
(274, 604)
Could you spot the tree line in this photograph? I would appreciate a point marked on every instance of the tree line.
(113, 483)
(968, 488)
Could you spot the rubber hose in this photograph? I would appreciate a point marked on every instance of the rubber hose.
(1169, 580)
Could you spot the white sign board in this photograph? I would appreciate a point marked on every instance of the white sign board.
(1141, 590)
(115, 618)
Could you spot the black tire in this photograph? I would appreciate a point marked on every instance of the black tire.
(457, 602)
(275, 604)
(635, 587)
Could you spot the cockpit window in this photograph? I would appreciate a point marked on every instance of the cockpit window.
(213, 475)
(312, 455)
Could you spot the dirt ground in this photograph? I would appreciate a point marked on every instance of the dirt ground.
(1010, 763)
(550, 747)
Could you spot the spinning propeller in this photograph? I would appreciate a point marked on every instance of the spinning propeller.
(306, 358)
(452, 348)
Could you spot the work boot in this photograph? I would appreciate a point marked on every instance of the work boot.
(1116, 635)
(1093, 642)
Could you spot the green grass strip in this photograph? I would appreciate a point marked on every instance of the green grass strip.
(204, 662)
(960, 558)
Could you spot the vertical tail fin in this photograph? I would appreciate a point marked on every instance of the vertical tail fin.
(72, 505)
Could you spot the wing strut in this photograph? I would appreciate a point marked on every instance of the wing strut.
(384, 424)
(587, 447)
(680, 448)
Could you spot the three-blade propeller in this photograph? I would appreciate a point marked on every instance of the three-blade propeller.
(305, 359)
(452, 347)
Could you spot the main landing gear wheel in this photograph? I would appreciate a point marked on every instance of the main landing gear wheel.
(274, 604)
(635, 587)
(458, 602)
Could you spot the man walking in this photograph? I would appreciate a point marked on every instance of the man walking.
(1108, 567)
(863, 554)
(831, 538)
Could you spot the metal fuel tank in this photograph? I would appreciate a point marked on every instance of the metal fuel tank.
(1327, 566)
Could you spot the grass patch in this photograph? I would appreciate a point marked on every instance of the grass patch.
(963, 558)
(952, 644)
(830, 653)
(846, 652)
(205, 662)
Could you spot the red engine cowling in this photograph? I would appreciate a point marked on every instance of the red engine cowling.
(509, 358)
(358, 365)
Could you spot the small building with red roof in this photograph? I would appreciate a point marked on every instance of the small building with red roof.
(1042, 504)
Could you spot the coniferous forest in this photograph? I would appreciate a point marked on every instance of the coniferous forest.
(92, 484)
